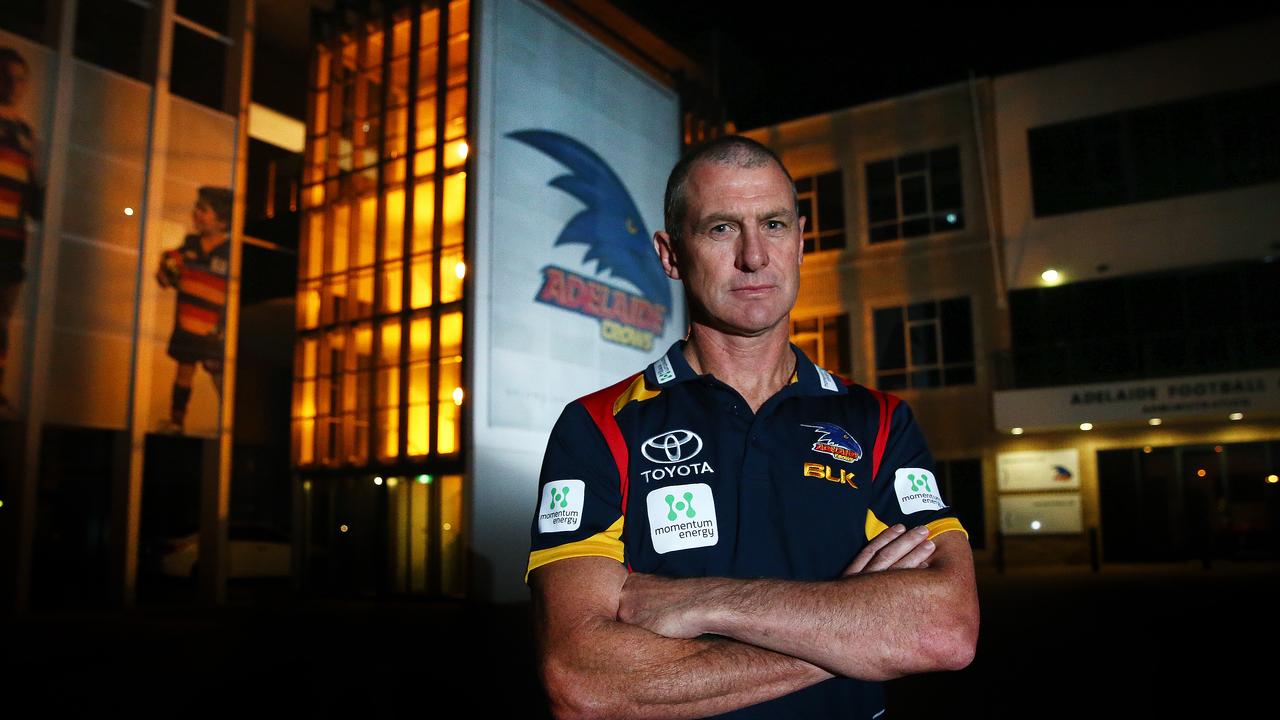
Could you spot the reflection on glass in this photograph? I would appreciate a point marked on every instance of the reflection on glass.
(424, 201)
(420, 283)
(452, 571)
(393, 228)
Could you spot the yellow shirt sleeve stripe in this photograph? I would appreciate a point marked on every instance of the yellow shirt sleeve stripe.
(603, 544)
(875, 526)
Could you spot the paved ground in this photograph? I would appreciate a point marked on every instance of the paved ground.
(1055, 643)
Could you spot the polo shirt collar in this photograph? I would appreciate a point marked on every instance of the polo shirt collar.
(809, 379)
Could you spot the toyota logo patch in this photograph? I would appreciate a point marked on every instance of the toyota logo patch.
(672, 447)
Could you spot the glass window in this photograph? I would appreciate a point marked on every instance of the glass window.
(928, 344)
(825, 340)
(914, 195)
(820, 200)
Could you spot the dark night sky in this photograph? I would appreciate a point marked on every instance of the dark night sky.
(798, 58)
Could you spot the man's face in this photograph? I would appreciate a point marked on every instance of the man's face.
(739, 257)
(206, 220)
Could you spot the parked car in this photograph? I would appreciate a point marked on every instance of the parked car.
(255, 551)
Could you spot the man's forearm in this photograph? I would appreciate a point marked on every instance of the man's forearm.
(614, 670)
(873, 626)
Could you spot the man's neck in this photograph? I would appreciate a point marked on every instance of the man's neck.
(757, 367)
(212, 240)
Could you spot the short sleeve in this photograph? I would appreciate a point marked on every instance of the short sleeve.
(905, 488)
(579, 510)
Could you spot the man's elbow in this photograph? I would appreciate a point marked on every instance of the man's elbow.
(957, 644)
(570, 695)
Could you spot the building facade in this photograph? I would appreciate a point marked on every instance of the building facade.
(1068, 273)
(449, 263)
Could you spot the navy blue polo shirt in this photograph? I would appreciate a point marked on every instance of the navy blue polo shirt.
(669, 472)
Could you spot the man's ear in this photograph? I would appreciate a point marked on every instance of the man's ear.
(666, 250)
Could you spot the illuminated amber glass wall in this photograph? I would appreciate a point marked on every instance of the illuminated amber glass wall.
(378, 373)
(378, 393)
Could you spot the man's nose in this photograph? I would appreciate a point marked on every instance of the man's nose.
(753, 253)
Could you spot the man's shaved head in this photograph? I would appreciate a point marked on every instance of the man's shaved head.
(728, 150)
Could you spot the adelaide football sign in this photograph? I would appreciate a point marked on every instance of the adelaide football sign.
(616, 241)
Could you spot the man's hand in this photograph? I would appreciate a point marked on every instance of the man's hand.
(893, 549)
(670, 607)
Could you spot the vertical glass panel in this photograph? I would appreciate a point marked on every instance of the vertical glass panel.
(924, 344)
(424, 163)
(424, 204)
(390, 352)
(341, 231)
(420, 339)
(420, 281)
(309, 304)
(335, 300)
(393, 225)
(307, 361)
(373, 49)
(429, 28)
(891, 352)
(306, 442)
(398, 492)
(397, 91)
(452, 572)
(420, 535)
(362, 344)
(388, 433)
(455, 117)
(392, 276)
(457, 59)
(393, 173)
(320, 113)
(451, 334)
(397, 125)
(315, 244)
(323, 57)
(458, 12)
(400, 36)
(366, 233)
(425, 123)
(452, 272)
(448, 405)
(455, 205)
(419, 436)
(455, 154)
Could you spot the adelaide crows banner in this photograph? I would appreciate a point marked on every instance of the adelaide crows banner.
(572, 149)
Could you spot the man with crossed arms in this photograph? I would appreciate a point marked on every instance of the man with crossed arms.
(726, 532)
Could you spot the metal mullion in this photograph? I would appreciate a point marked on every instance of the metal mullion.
(406, 234)
(379, 227)
(437, 240)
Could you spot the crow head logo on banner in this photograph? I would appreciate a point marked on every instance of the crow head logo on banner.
(616, 239)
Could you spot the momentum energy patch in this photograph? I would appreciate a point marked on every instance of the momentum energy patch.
(682, 517)
(561, 507)
(917, 490)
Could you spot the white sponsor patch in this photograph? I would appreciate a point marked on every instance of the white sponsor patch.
(561, 506)
(682, 517)
(827, 381)
(917, 490)
(663, 370)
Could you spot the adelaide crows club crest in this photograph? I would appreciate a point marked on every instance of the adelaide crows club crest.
(836, 442)
(616, 239)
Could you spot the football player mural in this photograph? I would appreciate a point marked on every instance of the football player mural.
(197, 270)
(20, 197)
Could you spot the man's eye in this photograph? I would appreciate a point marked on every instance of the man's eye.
(775, 225)
(722, 227)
